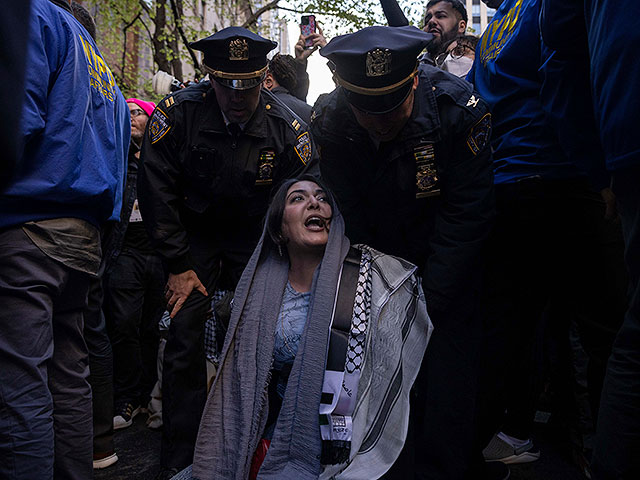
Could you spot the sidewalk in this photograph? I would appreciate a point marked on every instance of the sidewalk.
(138, 450)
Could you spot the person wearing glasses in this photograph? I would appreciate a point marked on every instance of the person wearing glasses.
(134, 290)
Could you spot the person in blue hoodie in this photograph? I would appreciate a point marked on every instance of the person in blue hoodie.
(551, 216)
(601, 36)
(67, 183)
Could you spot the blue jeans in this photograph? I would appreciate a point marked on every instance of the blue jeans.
(617, 446)
(45, 399)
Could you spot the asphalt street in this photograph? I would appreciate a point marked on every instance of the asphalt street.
(138, 450)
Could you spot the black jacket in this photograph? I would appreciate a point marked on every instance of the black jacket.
(389, 196)
(297, 106)
(197, 180)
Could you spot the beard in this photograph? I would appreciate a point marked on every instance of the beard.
(439, 45)
(137, 135)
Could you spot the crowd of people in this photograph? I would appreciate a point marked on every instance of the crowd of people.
(377, 286)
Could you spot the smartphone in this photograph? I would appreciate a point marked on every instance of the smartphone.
(307, 27)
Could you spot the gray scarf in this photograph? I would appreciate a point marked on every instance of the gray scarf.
(236, 411)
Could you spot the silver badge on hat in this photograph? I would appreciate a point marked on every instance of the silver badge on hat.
(378, 62)
(238, 49)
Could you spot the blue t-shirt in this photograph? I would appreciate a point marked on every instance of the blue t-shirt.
(507, 74)
(289, 329)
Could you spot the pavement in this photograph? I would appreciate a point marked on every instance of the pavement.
(138, 449)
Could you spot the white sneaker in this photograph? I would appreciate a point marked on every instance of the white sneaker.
(104, 460)
(125, 417)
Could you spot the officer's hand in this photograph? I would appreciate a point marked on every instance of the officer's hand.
(609, 198)
(179, 287)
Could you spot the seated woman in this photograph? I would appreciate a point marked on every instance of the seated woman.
(324, 344)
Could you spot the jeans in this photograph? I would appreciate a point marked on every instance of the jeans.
(45, 399)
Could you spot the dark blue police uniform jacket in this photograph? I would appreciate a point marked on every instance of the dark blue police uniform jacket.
(427, 195)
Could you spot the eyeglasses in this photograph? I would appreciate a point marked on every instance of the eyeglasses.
(459, 51)
(136, 112)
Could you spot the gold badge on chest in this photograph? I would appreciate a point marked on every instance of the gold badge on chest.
(266, 165)
(427, 181)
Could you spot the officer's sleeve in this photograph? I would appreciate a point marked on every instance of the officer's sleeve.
(302, 81)
(465, 216)
(300, 154)
(159, 194)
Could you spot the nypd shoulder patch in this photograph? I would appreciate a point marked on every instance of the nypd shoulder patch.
(159, 125)
(480, 134)
(303, 147)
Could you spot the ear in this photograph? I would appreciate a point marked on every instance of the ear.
(462, 26)
(268, 82)
(415, 83)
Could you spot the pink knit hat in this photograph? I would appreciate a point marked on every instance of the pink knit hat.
(148, 107)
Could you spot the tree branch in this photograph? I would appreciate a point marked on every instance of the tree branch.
(254, 17)
(144, 6)
(178, 19)
(124, 47)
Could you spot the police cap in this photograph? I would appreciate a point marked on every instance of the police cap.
(235, 57)
(376, 65)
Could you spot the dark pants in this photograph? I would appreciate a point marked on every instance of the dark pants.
(134, 302)
(45, 399)
(184, 375)
(441, 432)
(617, 446)
(100, 370)
(550, 240)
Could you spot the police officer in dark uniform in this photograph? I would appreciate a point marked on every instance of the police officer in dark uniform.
(405, 147)
(211, 156)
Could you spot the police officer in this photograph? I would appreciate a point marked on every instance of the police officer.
(211, 155)
(406, 149)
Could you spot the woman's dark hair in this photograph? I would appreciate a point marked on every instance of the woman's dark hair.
(273, 218)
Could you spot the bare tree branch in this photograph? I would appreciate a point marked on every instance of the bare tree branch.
(178, 19)
(124, 47)
(144, 6)
(254, 17)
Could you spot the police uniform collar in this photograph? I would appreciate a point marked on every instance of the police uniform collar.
(212, 119)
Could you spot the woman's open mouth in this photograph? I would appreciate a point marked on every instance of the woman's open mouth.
(315, 223)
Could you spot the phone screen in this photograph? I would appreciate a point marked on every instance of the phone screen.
(307, 27)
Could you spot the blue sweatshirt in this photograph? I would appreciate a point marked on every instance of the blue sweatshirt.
(75, 128)
(508, 73)
(612, 30)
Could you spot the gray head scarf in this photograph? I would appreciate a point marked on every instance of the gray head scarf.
(235, 415)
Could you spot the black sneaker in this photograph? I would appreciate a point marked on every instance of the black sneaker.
(125, 416)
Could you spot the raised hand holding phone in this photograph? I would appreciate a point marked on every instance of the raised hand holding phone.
(307, 28)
